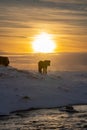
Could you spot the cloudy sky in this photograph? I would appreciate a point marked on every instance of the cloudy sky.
(21, 20)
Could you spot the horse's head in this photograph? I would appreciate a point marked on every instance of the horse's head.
(47, 62)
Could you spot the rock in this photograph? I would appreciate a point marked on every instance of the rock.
(69, 109)
(85, 126)
(26, 98)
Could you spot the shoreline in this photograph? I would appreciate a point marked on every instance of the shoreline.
(34, 109)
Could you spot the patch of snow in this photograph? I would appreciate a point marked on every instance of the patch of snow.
(42, 91)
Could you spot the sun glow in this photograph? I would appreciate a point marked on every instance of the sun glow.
(43, 43)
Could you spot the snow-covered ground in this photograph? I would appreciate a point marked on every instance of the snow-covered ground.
(21, 89)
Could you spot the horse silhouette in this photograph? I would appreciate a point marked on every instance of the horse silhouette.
(42, 66)
(4, 61)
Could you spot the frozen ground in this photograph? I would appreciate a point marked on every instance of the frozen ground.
(21, 89)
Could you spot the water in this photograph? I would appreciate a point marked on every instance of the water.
(46, 119)
(59, 62)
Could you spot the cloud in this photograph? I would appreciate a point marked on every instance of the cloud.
(12, 24)
(21, 18)
(57, 4)
(13, 36)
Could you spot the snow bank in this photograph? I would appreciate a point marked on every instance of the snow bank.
(21, 89)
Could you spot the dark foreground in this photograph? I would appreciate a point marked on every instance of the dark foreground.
(47, 119)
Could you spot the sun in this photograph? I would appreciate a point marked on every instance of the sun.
(43, 43)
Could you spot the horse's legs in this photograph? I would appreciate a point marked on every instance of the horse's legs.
(45, 70)
(39, 69)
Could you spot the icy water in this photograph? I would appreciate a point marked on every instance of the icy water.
(46, 119)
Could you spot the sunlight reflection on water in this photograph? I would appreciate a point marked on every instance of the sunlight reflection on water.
(46, 119)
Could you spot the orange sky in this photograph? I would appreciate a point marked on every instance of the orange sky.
(20, 21)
